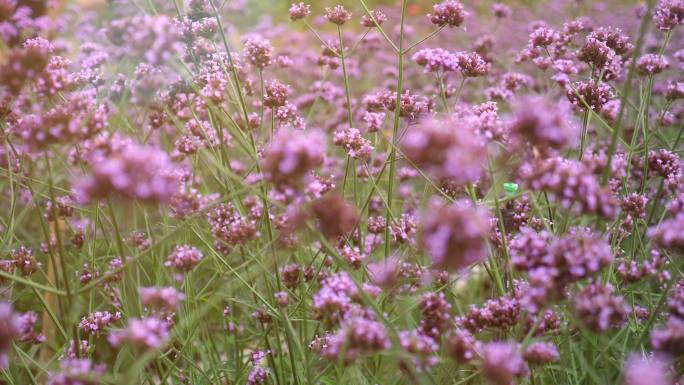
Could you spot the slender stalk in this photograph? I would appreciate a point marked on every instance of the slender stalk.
(382, 31)
(442, 93)
(626, 90)
(423, 40)
(353, 48)
(395, 131)
(645, 126)
(585, 128)
(460, 89)
(350, 117)
(325, 44)
(347, 91)
(58, 236)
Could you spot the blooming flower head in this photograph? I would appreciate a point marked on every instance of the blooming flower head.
(335, 301)
(230, 227)
(337, 15)
(351, 140)
(572, 183)
(421, 346)
(591, 94)
(460, 345)
(599, 308)
(651, 64)
(377, 17)
(614, 38)
(95, 322)
(448, 13)
(25, 261)
(299, 11)
(275, 94)
(543, 37)
(436, 60)
(668, 14)
(259, 52)
(357, 336)
(471, 64)
(184, 258)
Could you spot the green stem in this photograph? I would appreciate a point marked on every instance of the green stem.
(626, 89)
(346, 79)
(442, 93)
(585, 128)
(382, 31)
(58, 236)
(421, 41)
(395, 131)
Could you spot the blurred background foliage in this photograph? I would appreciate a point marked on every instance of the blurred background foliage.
(254, 10)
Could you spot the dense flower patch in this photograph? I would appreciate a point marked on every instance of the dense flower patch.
(196, 192)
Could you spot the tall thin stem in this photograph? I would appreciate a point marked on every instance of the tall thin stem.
(626, 90)
(58, 236)
(347, 92)
(350, 116)
(395, 131)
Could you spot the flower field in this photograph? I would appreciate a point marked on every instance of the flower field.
(354, 192)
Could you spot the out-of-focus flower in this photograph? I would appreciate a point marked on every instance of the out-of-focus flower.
(146, 333)
(645, 371)
(25, 63)
(438, 145)
(541, 353)
(292, 154)
(500, 10)
(77, 371)
(165, 298)
(461, 345)
(454, 236)
(134, 172)
(502, 363)
(544, 122)
(336, 217)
